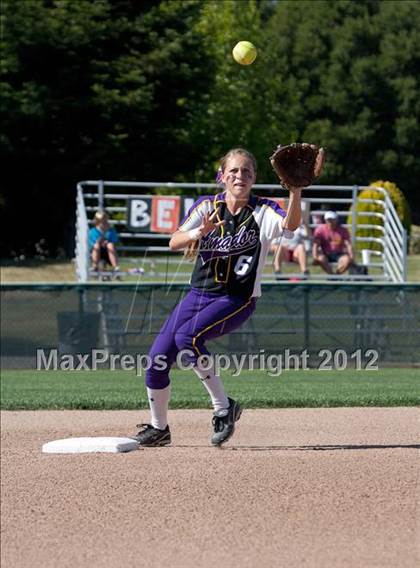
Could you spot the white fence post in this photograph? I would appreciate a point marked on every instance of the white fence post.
(82, 235)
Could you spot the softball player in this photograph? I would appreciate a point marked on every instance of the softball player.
(231, 232)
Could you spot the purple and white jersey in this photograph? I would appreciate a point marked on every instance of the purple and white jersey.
(231, 258)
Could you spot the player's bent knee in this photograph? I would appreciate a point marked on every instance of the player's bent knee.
(157, 379)
(183, 341)
(189, 348)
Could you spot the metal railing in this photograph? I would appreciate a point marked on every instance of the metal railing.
(393, 239)
(384, 255)
(82, 233)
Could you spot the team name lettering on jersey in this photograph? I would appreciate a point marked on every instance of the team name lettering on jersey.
(231, 258)
(213, 246)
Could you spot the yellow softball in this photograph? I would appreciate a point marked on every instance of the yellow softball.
(244, 53)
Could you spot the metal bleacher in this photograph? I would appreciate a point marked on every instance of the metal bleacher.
(146, 258)
(384, 256)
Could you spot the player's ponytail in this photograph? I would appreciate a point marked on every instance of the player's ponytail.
(190, 253)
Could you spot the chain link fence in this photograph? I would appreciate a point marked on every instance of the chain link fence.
(125, 319)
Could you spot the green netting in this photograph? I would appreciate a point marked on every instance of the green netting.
(295, 316)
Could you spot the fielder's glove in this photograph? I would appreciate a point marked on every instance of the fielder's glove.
(297, 165)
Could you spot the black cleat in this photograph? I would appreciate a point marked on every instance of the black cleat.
(152, 437)
(224, 422)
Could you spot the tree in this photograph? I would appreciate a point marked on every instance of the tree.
(230, 116)
(92, 90)
(349, 83)
(149, 90)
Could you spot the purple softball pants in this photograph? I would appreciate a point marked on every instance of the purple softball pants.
(198, 317)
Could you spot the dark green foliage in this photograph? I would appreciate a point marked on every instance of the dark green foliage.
(148, 90)
(92, 90)
(349, 72)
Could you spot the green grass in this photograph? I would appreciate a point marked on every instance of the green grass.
(24, 390)
(413, 268)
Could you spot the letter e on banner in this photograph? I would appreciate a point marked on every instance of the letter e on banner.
(165, 214)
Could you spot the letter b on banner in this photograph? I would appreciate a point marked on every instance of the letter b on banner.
(139, 214)
(157, 213)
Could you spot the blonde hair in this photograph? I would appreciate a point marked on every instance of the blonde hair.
(192, 249)
(241, 151)
(100, 216)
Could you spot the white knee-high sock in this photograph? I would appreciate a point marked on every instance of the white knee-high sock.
(159, 402)
(214, 387)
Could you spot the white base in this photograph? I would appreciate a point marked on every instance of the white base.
(90, 445)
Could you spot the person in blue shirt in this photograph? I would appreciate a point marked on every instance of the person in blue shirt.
(102, 241)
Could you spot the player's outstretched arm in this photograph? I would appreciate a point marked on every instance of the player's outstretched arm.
(293, 218)
(180, 240)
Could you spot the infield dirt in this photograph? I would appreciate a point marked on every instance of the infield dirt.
(294, 487)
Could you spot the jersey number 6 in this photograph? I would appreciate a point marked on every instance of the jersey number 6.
(243, 264)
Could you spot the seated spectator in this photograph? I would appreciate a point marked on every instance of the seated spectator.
(332, 243)
(318, 215)
(102, 240)
(291, 250)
